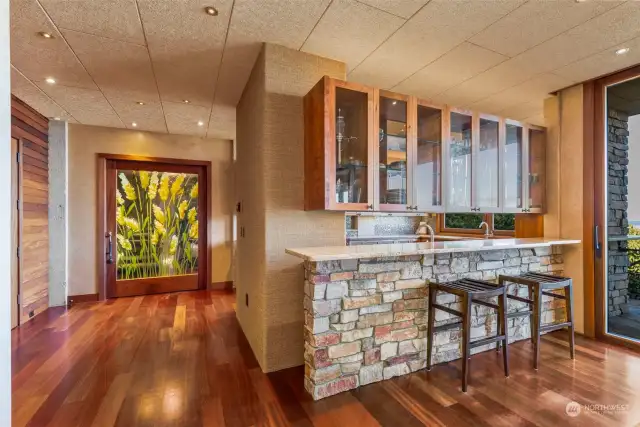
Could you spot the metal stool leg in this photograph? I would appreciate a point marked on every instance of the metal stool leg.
(430, 324)
(568, 295)
(537, 321)
(504, 329)
(466, 340)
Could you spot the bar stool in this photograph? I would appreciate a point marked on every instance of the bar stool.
(540, 284)
(469, 291)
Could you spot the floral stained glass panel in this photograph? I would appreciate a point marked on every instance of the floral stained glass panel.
(157, 223)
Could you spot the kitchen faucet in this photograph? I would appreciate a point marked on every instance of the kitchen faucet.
(431, 233)
(488, 233)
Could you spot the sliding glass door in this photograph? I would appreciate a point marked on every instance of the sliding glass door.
(621, 255)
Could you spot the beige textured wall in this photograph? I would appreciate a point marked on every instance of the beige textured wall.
(271, 144)
(564, 217)
(86, 141)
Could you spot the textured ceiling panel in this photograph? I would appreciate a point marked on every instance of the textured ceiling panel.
(606, 31)
(434, 30)
(32, 95)
(120, 69)
(284, 22)
(183, 118)
(602, 63)
(148, 117)
(116, 19)
(88, 106)
(494, 80)
(222, 123)
(536, 88)
(39, 58)
(522, 111)
(185, 57)
(456, 66)
(349, 31)
(537, 21)
(402, 8)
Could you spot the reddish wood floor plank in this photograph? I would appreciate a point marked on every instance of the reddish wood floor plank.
(182, 360)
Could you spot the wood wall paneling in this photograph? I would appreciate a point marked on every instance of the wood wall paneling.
(31, 129)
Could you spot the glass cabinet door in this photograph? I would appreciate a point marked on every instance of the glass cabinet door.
(352, 148)
(460, 159)
(393, 154)
(428, 165)
(512, 188)
(536, 169)
(486, 165)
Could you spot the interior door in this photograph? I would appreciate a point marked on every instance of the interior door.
(15, 239)
(156, 227)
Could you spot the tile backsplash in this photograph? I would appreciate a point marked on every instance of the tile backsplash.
(384, 225)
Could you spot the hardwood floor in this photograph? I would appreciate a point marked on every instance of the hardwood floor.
(182, 360)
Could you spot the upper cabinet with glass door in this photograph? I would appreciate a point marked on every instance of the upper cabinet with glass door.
(524, 166)
(459, 161)
(372, 150)
(486, 164)
(339, 141)
(395, 151)
(536, 169)
(431, 131)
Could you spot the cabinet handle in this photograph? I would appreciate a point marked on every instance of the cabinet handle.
(370, 207)
(409, 207)
(415, 208)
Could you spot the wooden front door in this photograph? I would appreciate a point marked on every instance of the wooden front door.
(155, 227)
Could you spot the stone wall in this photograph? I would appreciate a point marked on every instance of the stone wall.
(618, 224)
(366, 320)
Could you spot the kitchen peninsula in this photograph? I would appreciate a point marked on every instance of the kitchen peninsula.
(365, 307)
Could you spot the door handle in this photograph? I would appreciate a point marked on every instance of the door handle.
(109, 248)
(596, 239)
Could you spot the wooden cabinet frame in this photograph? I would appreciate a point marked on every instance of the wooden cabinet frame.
(320, 154)
(411, 152)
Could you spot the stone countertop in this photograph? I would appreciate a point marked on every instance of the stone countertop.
(329, 253)
(407, 236)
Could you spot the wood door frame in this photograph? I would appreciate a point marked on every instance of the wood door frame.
(595, 144)
(103, 159)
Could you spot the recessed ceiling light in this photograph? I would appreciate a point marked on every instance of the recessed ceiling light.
(45, 35)
(56, 118)
(134, 124)
(50, 80)
(622, 51)
(186, 101)
(140, 103)
(394, 102)
(201, 123)
(210, 10)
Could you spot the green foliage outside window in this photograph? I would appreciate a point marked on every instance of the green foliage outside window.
(503, 222)
(468, 221)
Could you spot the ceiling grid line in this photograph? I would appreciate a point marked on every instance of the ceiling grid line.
(381, 10)
(44, 93)
(390, 35)
(525, 51)
(315, 25)
(79, 61)
(215, 86)
(462, 42)
(102, 36)
(153, 70)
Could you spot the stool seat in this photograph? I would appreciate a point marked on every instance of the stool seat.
(470, 291)
(540, 284)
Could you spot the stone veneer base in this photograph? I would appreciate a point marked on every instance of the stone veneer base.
(366, 320)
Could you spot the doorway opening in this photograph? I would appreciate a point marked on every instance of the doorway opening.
(153, 219)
